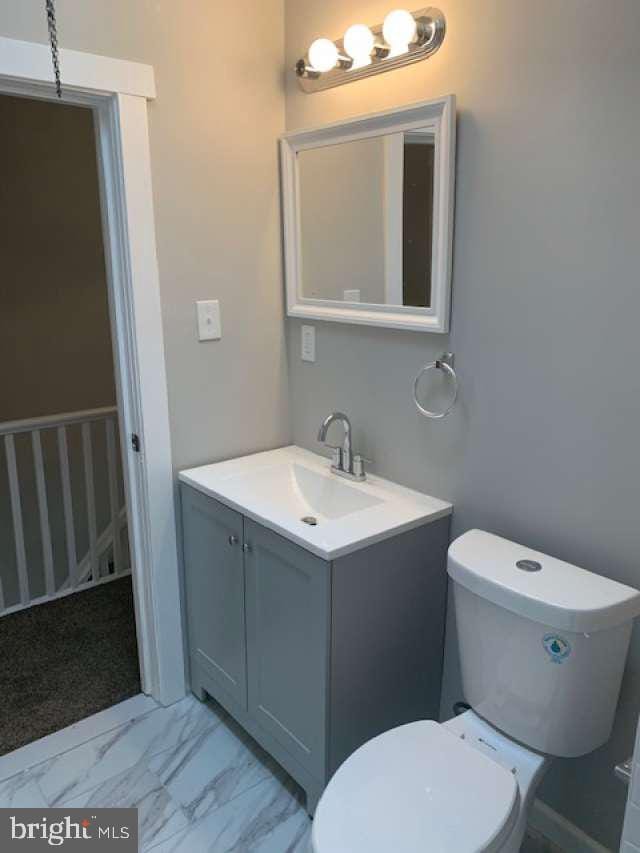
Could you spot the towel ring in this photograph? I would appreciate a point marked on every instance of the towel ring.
(444, 363)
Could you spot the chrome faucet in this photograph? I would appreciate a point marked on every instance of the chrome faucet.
(345, 463)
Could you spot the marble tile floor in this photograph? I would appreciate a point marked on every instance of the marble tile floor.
(200, 783)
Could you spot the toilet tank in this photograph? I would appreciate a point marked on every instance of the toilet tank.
(542, 643)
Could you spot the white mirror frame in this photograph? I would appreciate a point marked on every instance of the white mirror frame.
(438, 117)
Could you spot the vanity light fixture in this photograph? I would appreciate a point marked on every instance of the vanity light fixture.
(403, 38)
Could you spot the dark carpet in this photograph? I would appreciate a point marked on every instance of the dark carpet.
(62, 661)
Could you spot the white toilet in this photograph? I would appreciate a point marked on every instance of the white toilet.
(542, 647)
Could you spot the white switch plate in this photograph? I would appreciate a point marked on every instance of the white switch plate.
(308, 349)
(351, 295)
(209, 326)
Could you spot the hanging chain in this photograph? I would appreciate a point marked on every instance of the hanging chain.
(53, 38)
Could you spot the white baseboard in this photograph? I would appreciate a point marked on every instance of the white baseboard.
(561, 832)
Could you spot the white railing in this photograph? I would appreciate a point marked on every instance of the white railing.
(104, 560)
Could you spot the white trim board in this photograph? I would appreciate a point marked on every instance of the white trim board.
(130, 245)
(561, 832)
(34, 753)
(28, 61)
(124, 160)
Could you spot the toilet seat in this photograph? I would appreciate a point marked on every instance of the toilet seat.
(414, 789)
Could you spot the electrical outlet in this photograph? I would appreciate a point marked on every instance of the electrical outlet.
(308, 349)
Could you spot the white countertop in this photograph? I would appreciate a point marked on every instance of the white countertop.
(279, 487)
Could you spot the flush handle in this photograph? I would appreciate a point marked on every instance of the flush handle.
(624, 771)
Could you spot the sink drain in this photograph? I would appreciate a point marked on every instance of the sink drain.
(311, 520)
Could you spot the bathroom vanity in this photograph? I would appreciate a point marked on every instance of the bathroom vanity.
(315, 607)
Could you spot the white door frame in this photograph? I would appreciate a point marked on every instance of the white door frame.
(118, 91)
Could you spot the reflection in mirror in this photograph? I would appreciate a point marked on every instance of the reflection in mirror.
(417, 218)
(366, 220)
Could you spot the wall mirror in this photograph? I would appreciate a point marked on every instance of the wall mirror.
(368, 218)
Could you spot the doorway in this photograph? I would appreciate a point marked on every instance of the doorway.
(63, 517)
(116, 92)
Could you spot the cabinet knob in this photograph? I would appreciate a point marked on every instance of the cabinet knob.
(247, 548)
(233, 540)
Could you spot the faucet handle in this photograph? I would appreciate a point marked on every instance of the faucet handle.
(336, 456)
(358, 465)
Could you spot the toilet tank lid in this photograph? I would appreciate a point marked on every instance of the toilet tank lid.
(557, 594)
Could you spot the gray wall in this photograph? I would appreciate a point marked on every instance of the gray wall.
(213, 131)
(544, 446)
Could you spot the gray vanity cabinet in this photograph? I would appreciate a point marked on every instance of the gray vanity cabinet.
(213, 536)
(312, 657)
(287, 603)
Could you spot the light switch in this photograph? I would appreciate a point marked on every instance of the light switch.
(351, 295)
(209, 326)
(308, 352)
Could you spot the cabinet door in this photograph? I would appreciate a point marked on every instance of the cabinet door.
(214, 579)
(287, 643)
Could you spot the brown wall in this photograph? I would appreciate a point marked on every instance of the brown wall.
(55, 343)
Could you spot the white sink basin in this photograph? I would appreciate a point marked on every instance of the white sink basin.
(294, 492)
(302, 491)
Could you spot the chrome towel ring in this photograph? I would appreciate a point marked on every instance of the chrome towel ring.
(444, 363)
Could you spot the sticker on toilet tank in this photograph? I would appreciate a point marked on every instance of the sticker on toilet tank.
(556, 647)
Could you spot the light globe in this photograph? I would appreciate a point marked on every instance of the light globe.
(399, 30)
(323, 55)
(358, 44)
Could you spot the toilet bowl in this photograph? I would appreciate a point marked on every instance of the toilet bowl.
(459, 786)
(542, 649)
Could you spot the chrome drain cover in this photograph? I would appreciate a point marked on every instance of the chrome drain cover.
(529, 565)
(311, 520)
